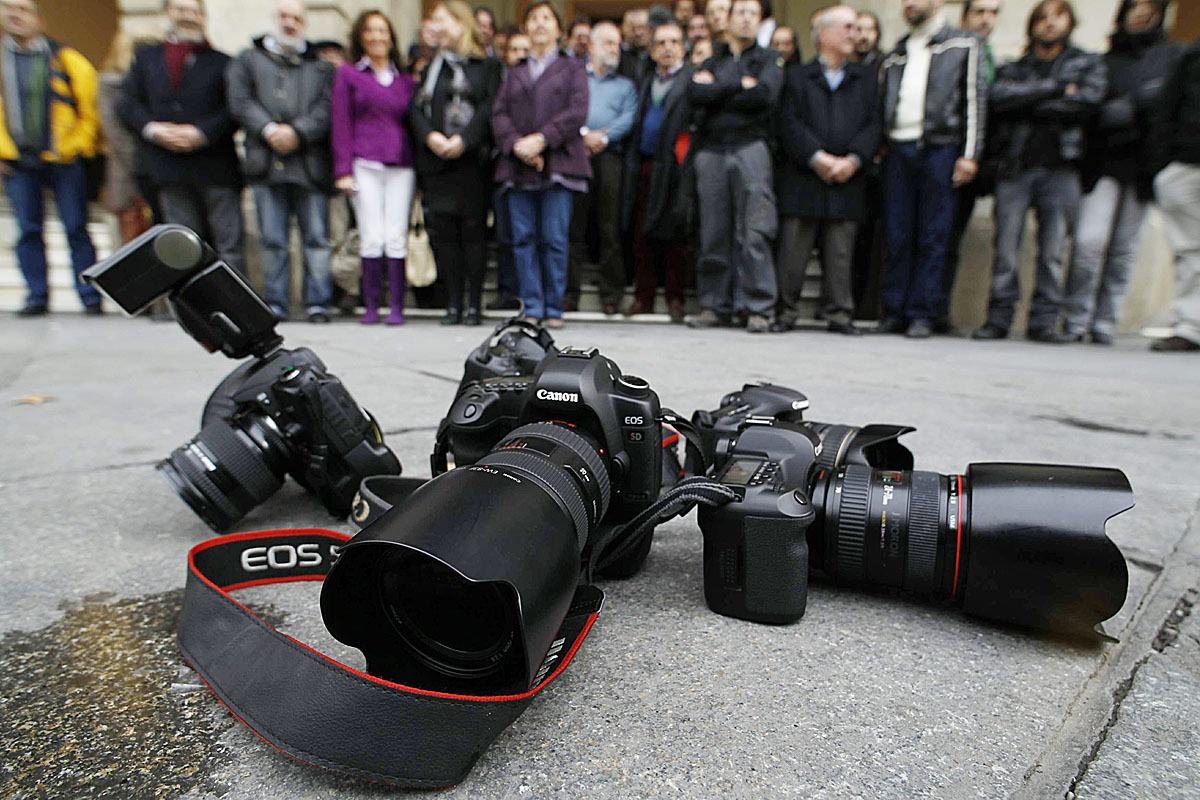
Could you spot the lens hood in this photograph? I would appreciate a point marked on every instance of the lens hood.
(1038, 554)
(505, 530)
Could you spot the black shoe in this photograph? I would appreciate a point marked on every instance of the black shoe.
(781, 326)
(891, 325)
(453, 317)
(473, 318)
(1101, 337)
(504, 304)
(570, 305)
(33, 310)
(348, 305)
(844, 328)
(990, 331)
(942, 327)
(1175, 344)
(919, 329)
(757, 323)
(1047, 336)
(93, 310)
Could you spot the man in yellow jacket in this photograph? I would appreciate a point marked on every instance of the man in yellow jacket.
(48, 124)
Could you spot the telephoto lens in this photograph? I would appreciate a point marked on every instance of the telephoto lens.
(1017, 543)
(462, 587)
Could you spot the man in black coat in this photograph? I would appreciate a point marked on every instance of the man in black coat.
(174, 100)
(830, 128)
(655, 204)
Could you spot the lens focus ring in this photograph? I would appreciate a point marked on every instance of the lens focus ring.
(852, 522)
(579, 445)
(565, 489)
(922, 531)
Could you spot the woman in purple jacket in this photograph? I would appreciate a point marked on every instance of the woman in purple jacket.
(373, 156)
(535, 121)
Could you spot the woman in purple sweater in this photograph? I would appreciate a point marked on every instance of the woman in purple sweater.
(373, 156)
(535, 121)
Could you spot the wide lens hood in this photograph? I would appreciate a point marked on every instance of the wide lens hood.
(486, 524)
(1037, 554)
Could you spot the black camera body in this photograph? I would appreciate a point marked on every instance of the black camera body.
(756, 548)
(281, 413)
(581, 389)
(871, 445)
(516, 347)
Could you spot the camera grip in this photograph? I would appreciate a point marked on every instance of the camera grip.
(755, 568)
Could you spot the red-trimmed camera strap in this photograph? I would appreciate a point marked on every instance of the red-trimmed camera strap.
(313, 708)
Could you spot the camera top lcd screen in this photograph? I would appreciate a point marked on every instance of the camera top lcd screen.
(740, 472)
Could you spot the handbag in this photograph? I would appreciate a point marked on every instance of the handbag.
(421, 267)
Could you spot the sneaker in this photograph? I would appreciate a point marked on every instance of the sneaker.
(919, 329)
(757, 323)
(990, 331)
(707, 318)
(33, 310)
(1175, 344)
(553, 322)
(93, 310)
(1047, 336)
(675, 310)
(318, 315)
(891, 325)
(504, 304)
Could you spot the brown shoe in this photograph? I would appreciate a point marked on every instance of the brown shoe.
(637, 307)
(610, 309)
(1175, 344)
(675, 310)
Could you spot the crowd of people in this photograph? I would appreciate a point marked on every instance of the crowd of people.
(679, 146)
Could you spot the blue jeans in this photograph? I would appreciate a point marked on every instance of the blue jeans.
(541, 223)
(919, 204)
(276, 204)
(25, 188)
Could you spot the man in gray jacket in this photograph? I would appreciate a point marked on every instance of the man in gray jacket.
(279, 90)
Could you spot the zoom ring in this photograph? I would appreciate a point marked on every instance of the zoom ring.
(551, 475)
(852, 523)
(922, 532)
(834, 439)
(577, 444)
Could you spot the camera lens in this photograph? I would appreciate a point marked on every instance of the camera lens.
(1019, 543)
(455, 626)
(227, 469)
(471, 577)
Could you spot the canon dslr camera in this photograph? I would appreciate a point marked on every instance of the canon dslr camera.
(462, 586)
(282, 413)
(1017, 543)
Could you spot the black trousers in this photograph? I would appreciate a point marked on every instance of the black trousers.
(603, 198)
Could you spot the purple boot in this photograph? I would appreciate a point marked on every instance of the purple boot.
(372, 286)
(397, 283)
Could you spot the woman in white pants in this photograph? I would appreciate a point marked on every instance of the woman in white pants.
(373, 156)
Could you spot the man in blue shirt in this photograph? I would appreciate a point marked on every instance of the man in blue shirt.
(612, 103)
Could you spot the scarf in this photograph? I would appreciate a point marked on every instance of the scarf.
(459, 108)
(26, 107)
(180, 54)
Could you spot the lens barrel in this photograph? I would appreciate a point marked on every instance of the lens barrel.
(463, 587)
(1017, 543)
(227, 469)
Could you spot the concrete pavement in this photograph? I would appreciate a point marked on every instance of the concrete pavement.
(869, 695)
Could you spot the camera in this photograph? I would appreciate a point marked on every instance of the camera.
(462, 587)
(871, 445)
(516, 347)
(1016, 543)
(281, 413)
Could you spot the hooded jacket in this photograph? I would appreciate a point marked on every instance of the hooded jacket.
(73, 115)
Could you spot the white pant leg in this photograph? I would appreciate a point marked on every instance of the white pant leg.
(369, 205)
(1178, 190)
(399, 187)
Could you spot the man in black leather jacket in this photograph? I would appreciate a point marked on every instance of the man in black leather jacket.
(1042, 104)
(934, 90)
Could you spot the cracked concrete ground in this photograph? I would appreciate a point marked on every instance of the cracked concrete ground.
(869, 695)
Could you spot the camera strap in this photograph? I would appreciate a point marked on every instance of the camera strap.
(681, 498)
(317, 710)
(694, 462)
